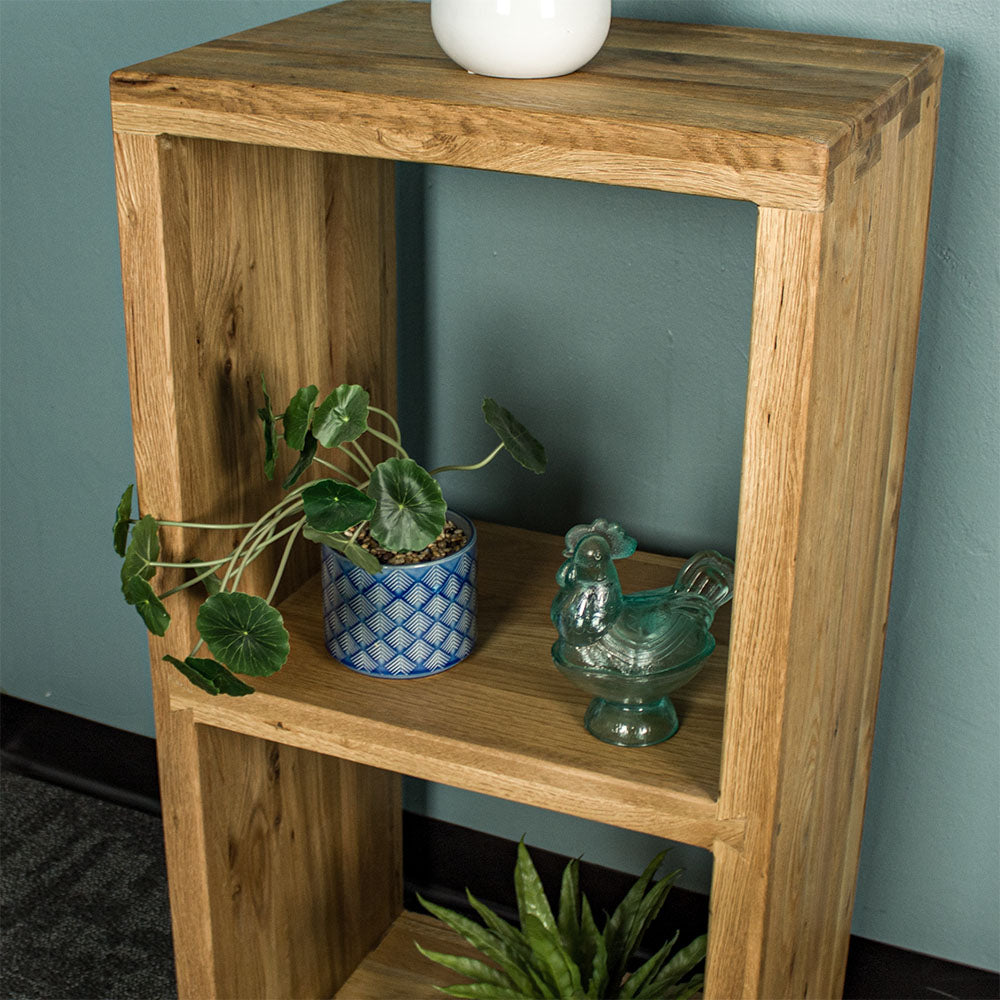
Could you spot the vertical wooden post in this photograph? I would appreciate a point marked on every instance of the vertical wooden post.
(241, 260)
(836, 310)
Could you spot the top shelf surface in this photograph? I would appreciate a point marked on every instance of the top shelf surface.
(721, 111)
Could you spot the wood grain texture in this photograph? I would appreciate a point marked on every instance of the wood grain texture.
(836, 316)
(236, 260)
(240, 261)
(305, 860)
(727, 112)
(504, 722)
(395, 970)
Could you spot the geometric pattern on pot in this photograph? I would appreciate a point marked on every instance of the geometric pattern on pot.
(406, 621)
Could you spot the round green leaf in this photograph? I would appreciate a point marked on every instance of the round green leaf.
(342, 416)
(331, 506)
(210, 676)
(123, 518)
(141, 595)
(297, 416)
(142, 550)
(270, 434)
(244, 632)
(361, 557)
(305, 460)
(517, 439)
(410, 510)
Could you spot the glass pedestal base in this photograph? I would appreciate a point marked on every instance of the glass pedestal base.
(636, 725)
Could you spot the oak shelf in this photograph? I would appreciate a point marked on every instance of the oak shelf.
(394, 968)
(257, 223)
(504, 722)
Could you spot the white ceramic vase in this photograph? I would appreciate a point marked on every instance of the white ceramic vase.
(524, 39)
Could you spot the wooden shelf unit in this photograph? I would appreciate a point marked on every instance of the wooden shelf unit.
(255, 184)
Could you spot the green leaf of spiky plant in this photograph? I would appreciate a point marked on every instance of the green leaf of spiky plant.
(305, 460)
(342, 416)
(123, 518)
(410, 510)
(689, 988)
(510, 936)
(645, 913)
(678, 966)
(210, 676)
(142, 550)
(596, 953)
(682, 991)
(483, 940)
(517, 946)
(531, 898)
(616, 930)
(523, 446)
(568, 920)
(551, 958)
(298, 413)
(359, 556)
(243, 632)
(270, 433)
(471, 968)
(647, 971)
(141, 595)
(480, 991)
(331, 506)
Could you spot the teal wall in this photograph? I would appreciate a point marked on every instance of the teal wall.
(572, 305)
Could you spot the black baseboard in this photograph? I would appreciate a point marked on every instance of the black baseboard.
(76, 753)
(439, 859)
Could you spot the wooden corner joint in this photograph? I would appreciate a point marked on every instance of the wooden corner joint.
(730, 831)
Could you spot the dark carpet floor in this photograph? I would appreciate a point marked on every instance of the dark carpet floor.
(83, 898)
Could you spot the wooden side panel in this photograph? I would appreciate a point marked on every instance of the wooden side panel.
(285, 865)
(788, 259)
(823, 473)
(240, 261)
(236, 261)
(305, 864)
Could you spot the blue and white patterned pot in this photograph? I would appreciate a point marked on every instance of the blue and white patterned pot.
(406, 621)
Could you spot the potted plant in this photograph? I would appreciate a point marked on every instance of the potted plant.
(563, 954)
(364, 516)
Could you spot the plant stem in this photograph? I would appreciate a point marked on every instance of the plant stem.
(353, 451)
(337, 468)
(280, 572)
(388, 440)
(214, 527)
(391, 419)
(188, 583)
(190, 565)
(263, 524)
(470, 468)
(269, 537)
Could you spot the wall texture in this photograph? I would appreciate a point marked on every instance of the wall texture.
(569, 304)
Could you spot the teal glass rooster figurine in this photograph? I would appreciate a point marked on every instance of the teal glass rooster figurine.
(631, 651)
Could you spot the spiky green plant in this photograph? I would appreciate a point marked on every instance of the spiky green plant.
(566, 956)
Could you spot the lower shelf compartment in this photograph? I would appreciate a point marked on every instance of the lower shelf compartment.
(396, 970)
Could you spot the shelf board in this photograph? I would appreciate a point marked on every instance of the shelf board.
(727, 112)
(504, 722)
(394, 968)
